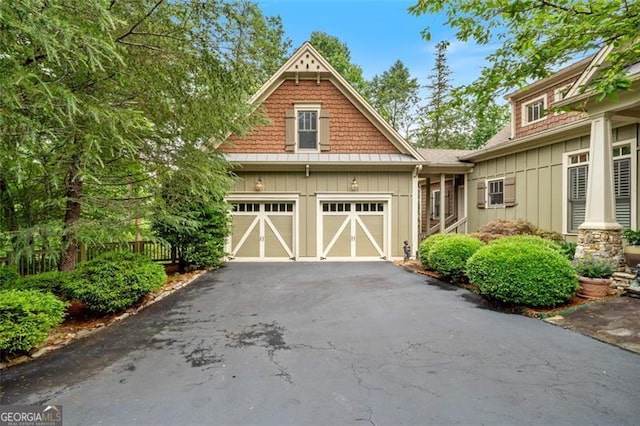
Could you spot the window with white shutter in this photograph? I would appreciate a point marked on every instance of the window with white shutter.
(577, 172)
(622, 190)
(577, 196)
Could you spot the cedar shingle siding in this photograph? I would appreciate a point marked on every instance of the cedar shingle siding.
(350, 131)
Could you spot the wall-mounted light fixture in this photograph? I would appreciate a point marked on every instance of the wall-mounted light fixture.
(354, 184)
(259, 185)
(306, 170)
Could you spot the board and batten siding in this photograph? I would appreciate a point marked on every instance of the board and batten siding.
(396, 184)
(538, 176)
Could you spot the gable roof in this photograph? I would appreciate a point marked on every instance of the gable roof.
(306, 62)
(581, 91)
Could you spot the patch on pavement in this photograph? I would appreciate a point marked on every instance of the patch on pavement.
(270, 336)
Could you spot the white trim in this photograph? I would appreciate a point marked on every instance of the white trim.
(466, 198)
(565, 186)
(342, 85)
(353, 197)
(415, 209)
(433, 204)
(633, 143)
(307, 106)
(557, 96)
(524, 116)
(262, 198)
(487, 204)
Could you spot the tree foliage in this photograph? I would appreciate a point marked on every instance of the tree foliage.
(536, 37)
(395, 95)
(102, 102)
(437, 119)
(339, 56)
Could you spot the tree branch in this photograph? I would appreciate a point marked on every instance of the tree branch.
(137, 24)
(565, 8)
(144, 46)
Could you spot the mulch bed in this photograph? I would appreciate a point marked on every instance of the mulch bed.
(572, 305)
(80, 323)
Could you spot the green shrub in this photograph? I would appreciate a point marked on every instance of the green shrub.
(593, 267)
(200, 240)
(449, 255)
(632, 237)
(8, 276)
(528, 239)
(52, 282)
(523, 272)
(504, 228)
(26, 317)
(568, 249)
(114, 281)
(426, 245)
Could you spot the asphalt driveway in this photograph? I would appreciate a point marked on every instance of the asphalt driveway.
(330, 343)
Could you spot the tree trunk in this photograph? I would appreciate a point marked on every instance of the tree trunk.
(73, 193)
(8, 209)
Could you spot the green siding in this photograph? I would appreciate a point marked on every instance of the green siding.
(539, 180)
(398, 184)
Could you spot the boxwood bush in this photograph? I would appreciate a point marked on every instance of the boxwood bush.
(426, 245)
(114, 281)
(523, 272)
(528, 239)
(8, 277)
(449, 256)
(26, 317)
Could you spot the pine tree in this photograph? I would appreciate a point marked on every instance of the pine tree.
(436, 118)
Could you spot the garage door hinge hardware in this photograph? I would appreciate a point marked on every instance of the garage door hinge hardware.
(292, 258)
(384, 258)
(323, 258)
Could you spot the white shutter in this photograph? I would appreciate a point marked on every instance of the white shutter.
(577, 196)
(622, 187)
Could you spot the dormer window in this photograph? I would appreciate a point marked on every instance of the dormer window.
(534, 110)
(308, 129)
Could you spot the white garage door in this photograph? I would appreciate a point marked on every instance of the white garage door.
(353, 230)
(262, 230)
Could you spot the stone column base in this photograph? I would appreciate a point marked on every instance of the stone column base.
(602, 243)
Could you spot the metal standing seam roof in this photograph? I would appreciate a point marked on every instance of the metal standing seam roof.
(313, 157)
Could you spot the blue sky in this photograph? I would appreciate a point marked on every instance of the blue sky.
(379, 32)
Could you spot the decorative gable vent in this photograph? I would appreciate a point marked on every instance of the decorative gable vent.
(307, 62)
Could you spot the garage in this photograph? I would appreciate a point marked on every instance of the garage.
(353, 229)
(263, 230)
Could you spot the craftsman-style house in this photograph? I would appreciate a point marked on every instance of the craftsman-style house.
(326, 179)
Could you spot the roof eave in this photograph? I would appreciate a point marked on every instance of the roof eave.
(517, 143)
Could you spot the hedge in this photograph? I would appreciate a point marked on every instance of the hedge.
(52, 281)
(523, 272)
(426, 245)
(26, 317)
(449, 256)
(114, 281)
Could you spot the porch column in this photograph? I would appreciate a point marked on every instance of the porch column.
(600, 234)
(443, 198)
